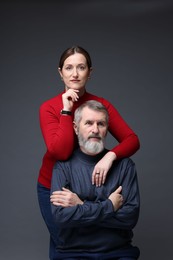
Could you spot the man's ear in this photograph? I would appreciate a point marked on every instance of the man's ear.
(75, 127)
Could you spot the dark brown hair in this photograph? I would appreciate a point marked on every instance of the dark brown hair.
(72, 50)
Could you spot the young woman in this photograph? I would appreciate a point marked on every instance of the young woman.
(56, 122)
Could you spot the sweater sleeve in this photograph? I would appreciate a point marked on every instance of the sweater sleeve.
(120, 130)
(57, 131)
(127, 216)
(79, 215)
(100, 213)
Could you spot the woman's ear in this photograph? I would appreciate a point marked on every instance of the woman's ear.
(59, 70)
(91, 69)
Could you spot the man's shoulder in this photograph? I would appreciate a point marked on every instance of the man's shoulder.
(127, 160)
(67, 162)
(125, 163)
(122, 168)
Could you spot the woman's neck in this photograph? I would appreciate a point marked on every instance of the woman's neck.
(81, 92)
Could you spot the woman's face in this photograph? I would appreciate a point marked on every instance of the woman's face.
(75, 72)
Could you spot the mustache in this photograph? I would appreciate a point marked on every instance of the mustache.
(94, 136)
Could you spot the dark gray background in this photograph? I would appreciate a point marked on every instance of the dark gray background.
(131, 45)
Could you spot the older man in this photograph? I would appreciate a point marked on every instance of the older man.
(94, 221)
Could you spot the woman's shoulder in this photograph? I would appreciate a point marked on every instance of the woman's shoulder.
(102, 100)
(54, 101)
(90, 96)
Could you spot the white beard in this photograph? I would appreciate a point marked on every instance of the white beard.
(91, 147)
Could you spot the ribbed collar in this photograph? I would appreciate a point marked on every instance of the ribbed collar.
(89, 158)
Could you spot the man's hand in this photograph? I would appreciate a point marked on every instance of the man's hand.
(116, 198)
(65, 198)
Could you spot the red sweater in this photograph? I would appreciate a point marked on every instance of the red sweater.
(60, 139)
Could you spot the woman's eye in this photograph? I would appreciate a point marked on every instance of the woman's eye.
(68, 68)
(82, 67)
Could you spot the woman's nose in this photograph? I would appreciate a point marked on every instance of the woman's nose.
(75, 73)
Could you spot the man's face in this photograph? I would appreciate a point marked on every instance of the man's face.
(92, 131)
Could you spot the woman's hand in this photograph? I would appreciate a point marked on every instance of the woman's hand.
(65, 198)
(68, 99)
(101, 168)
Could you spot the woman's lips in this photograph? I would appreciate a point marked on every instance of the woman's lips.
(75, 80)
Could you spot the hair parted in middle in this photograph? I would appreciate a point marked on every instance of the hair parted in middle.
(72, 50)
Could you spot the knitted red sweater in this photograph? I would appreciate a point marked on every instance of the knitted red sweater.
(60, 139)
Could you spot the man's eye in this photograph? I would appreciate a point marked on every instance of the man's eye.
(88, 123)
(101, 124)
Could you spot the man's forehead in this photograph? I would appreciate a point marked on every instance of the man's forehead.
(90, 114)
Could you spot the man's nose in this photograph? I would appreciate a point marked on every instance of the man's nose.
(95, 128)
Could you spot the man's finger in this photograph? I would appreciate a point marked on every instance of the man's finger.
(119, 189)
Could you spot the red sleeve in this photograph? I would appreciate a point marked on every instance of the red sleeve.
(57, 131)
(128, 140)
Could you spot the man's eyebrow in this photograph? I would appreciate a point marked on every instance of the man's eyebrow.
(88, 120)
(98, 121)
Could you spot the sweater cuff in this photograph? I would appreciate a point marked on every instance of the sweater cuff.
(108, 206)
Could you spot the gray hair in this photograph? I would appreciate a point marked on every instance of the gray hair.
(93, 105)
